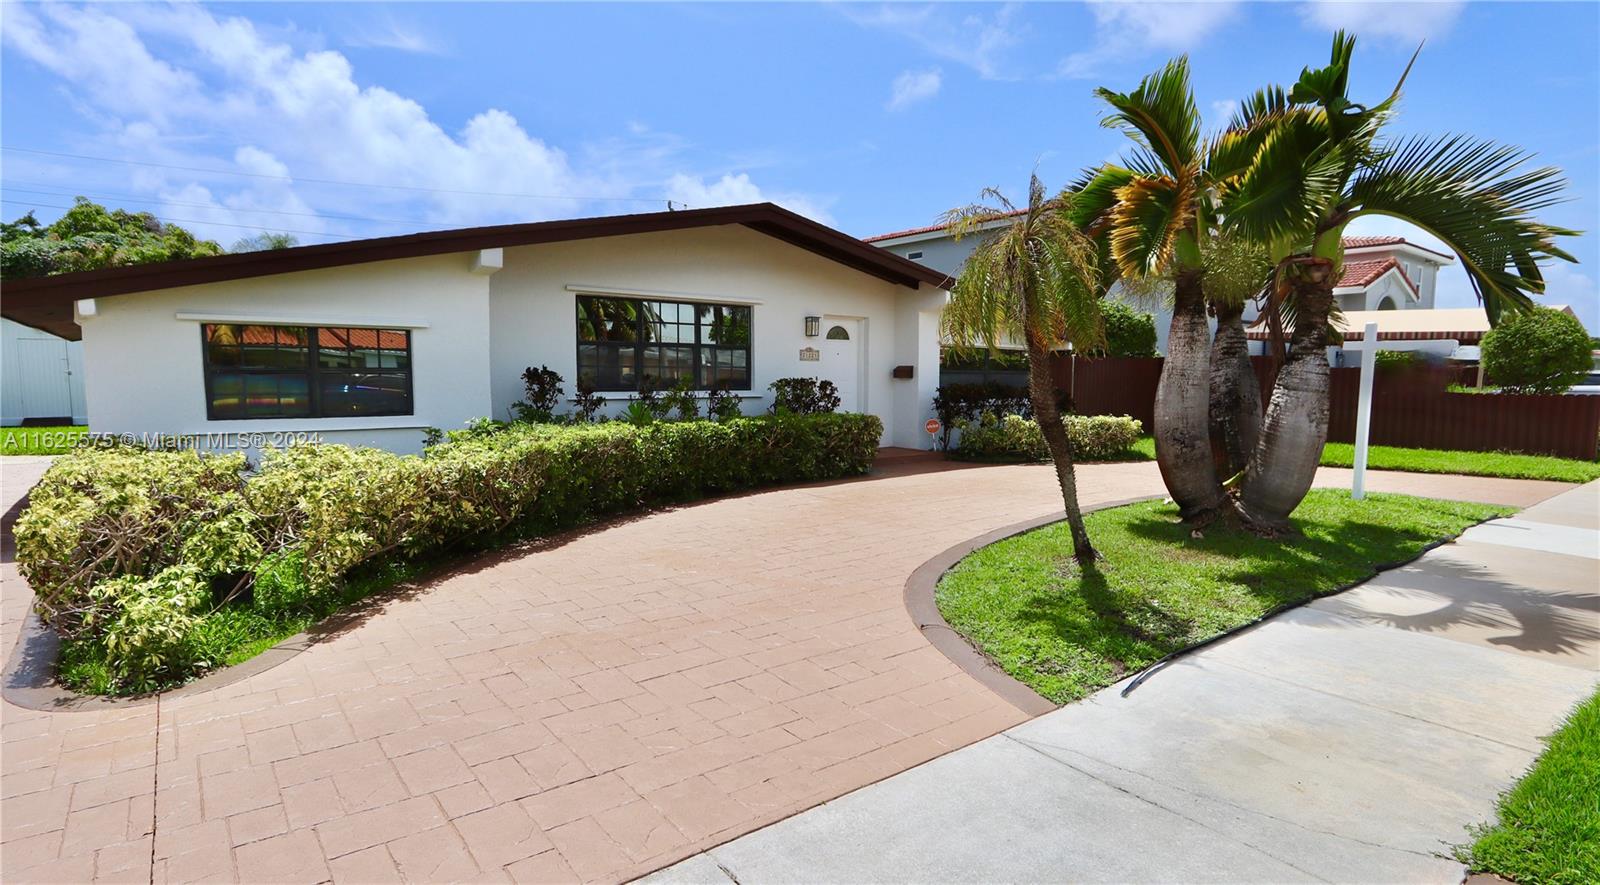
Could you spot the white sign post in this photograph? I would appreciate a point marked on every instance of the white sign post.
(1369, 360)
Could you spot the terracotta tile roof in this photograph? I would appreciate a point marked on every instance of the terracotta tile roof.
(1372, 242)
(1365, 273)
(921, 230)
(1362, 242)
(329, 338)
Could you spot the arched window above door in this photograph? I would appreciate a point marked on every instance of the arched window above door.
(838, 333)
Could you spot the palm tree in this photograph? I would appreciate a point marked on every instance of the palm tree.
(1319, 165)
(1160, 217)
(1037, 280)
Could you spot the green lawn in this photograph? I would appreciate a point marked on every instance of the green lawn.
(1435, 461)
(1470, 463)
(1065, 633)
(1549, 829)
(39, 440)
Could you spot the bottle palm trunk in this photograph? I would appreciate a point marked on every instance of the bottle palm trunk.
(1183, 406)
(1286, 456)
(1235, 393)
(1047, 410)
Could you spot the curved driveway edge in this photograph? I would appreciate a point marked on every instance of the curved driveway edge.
(921, 603)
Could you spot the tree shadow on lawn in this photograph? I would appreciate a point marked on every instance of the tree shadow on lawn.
(1353, 551)
(1131, 625)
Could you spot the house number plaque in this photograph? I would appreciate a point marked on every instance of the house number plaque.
(810, 355)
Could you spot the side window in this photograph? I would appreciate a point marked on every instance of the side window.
(260, 371)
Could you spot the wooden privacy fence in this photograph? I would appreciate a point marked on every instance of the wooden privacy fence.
(1410, 407)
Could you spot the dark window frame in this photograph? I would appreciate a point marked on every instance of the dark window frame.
(313, 372)
(633, 352)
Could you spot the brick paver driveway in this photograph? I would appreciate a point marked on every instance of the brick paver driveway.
(592, 709)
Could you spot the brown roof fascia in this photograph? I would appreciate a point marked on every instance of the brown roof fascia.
(46, 302)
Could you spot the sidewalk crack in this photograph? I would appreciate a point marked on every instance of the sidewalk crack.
(155, 790)
(1209, 798)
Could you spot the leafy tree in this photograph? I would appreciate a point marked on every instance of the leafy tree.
(1542, 351)
(1038, 281)
(1129, 332)
(264, 242)
(88, 236)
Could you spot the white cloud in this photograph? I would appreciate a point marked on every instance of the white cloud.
(731, 190)
(974, 40)
(1223, 111)
(1126, 31)
(914, 86)
(391, 34)
(224, 94)
(1399, 22)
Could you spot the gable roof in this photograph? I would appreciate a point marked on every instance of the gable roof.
(1359, 243)
(1360, 274)
(46, 302)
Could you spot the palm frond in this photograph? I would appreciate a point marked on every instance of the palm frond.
(1145, 223)
(1295, 176)
(1096, 196)
(1476, 197)
(1037, 279)
(1160, 115)
(1261, 106)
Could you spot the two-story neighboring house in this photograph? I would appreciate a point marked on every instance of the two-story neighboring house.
(1380, 273)
(1388, 273)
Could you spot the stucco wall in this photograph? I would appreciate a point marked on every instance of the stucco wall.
(474, 333)
(143, 366)
(534, 312)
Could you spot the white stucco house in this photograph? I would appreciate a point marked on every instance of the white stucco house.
(372, 341)
(1380, 273)
(41, 377)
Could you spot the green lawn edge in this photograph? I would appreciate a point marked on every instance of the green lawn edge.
(1507, 465)
(1548, 829)
(1066, 632)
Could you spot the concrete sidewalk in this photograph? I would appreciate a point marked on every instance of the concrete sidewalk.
(1353, 739)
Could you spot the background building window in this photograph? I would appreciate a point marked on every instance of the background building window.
(622, 341)
(257, 371)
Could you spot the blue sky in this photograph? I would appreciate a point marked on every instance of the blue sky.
(245, 117)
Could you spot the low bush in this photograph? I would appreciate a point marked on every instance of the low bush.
(958, 404)
(1542, 351)
(1015, 438)
(804, 396)
(159, 565)
(1129, 331)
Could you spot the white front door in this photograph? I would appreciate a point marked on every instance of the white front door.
(841, 360)
(44, 372)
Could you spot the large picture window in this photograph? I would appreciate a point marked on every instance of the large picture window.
(623, 341)
(256, 371)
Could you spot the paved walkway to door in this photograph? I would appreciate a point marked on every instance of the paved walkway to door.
(592, 708)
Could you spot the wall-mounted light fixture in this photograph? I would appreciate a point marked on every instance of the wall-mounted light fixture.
(813, 326)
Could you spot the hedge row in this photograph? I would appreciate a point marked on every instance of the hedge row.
(1014, 438)
(130, 551)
